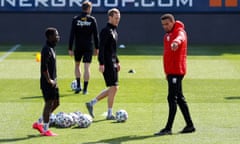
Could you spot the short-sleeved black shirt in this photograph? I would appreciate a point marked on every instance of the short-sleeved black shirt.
(48, 63)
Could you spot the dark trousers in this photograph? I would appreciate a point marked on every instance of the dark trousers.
(175, 96)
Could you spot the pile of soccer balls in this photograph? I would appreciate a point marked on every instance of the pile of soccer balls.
(66, 120)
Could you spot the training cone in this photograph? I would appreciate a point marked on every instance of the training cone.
(38, 57)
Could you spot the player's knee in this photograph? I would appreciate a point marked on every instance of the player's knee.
(181, 100)
(172, 99)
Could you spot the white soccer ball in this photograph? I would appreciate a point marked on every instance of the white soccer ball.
(121, 115)
(75, 116)
(64, 120)
(52, 119)
(84, 121)
(74, 85)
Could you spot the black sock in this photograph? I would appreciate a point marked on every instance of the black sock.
(85, 85)
(78, 83)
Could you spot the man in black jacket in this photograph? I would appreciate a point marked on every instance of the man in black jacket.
(83, 30)
(108, 62)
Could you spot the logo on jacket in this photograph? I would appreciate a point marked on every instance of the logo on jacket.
(83, 23)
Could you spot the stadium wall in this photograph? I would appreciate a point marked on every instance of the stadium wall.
(134, 28)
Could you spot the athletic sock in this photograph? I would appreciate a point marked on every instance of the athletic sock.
(93, 101)
(40, 120)
(109, 111)
(85, 85)
(45, 126)
(78, 83)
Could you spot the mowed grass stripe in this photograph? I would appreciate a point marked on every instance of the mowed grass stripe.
(144, 119)
(130, 91)
(145, 68)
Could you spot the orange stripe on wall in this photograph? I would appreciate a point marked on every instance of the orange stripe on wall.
(231, 3)
(215, 3)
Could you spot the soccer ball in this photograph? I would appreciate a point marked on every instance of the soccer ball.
(121, 115)
(52, 119)
(75, 116)
(64, 120)
(74, 85)
(84, 121)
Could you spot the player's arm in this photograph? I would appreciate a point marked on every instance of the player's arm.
(178, 40)
(95, 36)
(103, 43)
(71, 38)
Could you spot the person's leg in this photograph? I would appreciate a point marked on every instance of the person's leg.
(111, 95)
(86, 77)
(172, 105)
(184, 108)
(99, 97)
(56, 101)
(78, 76)
(51, 103)
(78, 57)
(172, 100)
(46, 114)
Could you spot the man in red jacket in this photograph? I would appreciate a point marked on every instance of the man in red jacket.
(174, 61)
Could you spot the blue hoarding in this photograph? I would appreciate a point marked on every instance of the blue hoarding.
(190, 6)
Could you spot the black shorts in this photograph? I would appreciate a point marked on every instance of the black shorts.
(50, 93)
(85, 55)
(110, 75)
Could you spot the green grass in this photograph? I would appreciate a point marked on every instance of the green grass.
(211, 88)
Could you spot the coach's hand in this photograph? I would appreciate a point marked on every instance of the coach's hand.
(174, 46)
(70, 52)
(101, 68)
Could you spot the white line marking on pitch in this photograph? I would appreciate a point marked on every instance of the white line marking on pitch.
(9, 52)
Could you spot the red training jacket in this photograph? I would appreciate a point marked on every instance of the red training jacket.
(175, 61)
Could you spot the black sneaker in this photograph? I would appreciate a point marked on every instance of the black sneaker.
(90, 109)
(77, 90)
(163, 132)
(85, 92)
(111, 117)
(188, 129)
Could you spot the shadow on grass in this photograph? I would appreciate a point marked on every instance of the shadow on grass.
(97, 121)
(233, 98)
(119, 140)
(19, 139)
(40, 97)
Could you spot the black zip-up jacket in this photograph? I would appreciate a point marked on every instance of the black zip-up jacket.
(84, 28)
(108, 46)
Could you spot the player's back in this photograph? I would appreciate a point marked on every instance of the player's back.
(84, 27)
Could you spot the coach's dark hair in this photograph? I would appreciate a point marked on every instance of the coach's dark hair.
(168, 16)
(113, 11)
(86, 5)
(50, 31)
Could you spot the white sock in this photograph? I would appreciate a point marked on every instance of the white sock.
(109, 111)
(45, 126)
(93, 101)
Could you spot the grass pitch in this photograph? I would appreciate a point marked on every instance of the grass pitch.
(210, 87)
